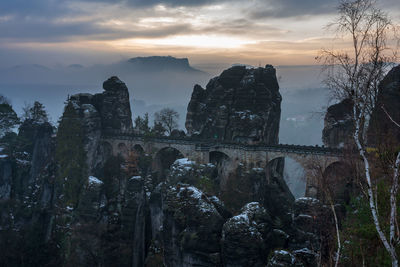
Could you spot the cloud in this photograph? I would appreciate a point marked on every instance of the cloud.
(291, 8)
(51, 31)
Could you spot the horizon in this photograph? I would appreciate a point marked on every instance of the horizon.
(90, 32)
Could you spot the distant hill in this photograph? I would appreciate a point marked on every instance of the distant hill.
(161, 63)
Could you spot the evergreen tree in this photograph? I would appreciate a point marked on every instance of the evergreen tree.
(142, 124)
(71, 157)
(35, 113)
(8, 117)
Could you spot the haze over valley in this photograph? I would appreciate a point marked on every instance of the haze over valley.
(162, 81)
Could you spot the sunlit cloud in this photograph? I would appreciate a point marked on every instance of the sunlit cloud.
(275, 31)
(201, 41)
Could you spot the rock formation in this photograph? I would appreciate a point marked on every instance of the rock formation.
(109, 111)
(381, 129)
(160, 63)
(338, 125)
(112, 105)
(91, 212)
(241, 105)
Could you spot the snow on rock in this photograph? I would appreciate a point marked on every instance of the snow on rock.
(182, 166)
(137, 177)
(201, 201)
(69, 208)
(216, 200)
(307, 200)
(94, 181)
(246, 218)
(281, 258)
(184, 161)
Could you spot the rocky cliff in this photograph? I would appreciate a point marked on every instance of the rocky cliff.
(338, 125)
(382, 130)
(241, 105)
(100, 113)
(67, 201)
(112, 106)
(27, 175)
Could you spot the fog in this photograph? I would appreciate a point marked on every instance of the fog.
(303, 97)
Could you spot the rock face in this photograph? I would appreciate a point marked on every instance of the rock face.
(338, 125)
(27, 172)
(243, 237)
(241, 105)
(63, 212)
(191, 228)
(112, 105)
(381, 129)
(100, 113)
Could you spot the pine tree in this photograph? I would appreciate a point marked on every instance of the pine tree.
(71, 157)
(8, 118)
(142, 124)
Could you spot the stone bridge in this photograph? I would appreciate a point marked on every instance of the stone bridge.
(205, 151)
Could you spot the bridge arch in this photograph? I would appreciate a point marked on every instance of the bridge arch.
(137, 149)
(123, 150)
(164, 158)
(338, 180)
(218, 157)
(294, 173)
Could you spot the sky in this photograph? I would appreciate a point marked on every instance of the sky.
(278, 32)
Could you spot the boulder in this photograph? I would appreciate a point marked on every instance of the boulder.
(243, 236)
(191, 228)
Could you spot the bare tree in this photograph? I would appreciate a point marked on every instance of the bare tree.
(168, 118)
(355, 74)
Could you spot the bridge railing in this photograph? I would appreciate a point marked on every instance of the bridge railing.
(206, 144)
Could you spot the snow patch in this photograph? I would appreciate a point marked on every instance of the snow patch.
(196, 194)
(307, 200)
(93, 180)
(184, 162)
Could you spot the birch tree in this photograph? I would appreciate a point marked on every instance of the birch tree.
(355, 74)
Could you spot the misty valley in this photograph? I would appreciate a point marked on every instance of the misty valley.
(218, 133)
